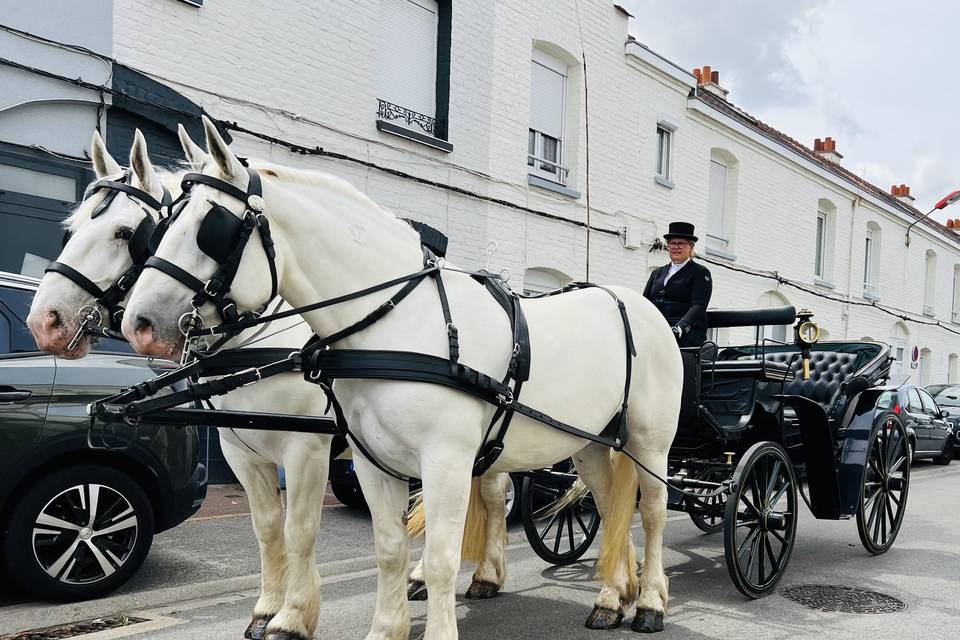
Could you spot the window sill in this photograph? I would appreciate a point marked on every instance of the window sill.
(826, 284)
(720, 253)
(549, 185)
(871, 297)
(665, 182)
(422, 138)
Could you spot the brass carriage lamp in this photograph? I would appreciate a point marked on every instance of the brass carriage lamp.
(806, 333)
(951, 198)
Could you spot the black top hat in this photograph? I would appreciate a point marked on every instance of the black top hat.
(680, 230)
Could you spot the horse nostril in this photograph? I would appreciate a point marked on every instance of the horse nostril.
(142, 324)
(56, 320)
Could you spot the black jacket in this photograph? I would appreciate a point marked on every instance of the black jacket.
(683, 299)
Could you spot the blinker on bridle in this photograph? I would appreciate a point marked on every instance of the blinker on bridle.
(222, 236)
(138, 245)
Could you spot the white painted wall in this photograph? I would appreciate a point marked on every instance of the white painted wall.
(317, 63)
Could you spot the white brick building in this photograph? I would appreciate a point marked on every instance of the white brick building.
(325, 69)
(494, 77)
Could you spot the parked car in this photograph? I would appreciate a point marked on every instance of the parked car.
(76, 522)
(931, 435)
(947, 396)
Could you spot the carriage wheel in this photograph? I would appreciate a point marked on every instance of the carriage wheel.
(707, 513)
(761, 519)
(562, 537)
(886, 479)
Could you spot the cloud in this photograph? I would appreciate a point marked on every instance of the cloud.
(873, 74)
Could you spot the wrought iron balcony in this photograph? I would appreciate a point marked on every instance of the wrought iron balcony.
(389, 111)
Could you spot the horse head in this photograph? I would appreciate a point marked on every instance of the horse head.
(200, 236)
(105, 237)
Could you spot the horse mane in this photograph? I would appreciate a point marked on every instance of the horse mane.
(169, 178)
(309, 177)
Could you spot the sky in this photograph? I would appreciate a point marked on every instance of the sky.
(881, 77)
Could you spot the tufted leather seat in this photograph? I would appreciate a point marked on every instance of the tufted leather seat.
(828, 371)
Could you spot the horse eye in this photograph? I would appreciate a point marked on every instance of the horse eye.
(124, 233)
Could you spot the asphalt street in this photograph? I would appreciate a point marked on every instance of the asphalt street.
(200, 582)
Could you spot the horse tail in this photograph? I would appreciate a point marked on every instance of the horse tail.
(416, 518)
(616, 550)
(475, 530)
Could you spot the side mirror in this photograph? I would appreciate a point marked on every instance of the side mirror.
(943, 413)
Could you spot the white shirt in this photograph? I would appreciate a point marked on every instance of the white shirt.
(674, 267)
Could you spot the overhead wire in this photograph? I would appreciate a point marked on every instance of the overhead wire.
(102, 89)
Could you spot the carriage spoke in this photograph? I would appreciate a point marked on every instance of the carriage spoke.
(747, 502)
(570, 536)
(896, 465)
(782, 490)
(580, 522)
(753, 554)
(774, 476)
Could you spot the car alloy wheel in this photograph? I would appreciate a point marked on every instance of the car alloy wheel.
(84, 534)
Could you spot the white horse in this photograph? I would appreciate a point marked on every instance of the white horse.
(99, 248)
(289, 603)
(332, 240)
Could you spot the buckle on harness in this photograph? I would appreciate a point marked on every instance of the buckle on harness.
(253, 370)
(505, 398)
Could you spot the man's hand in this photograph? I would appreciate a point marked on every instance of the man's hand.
(677, 331)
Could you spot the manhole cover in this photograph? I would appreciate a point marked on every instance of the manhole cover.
(75, 629)
(825, 597)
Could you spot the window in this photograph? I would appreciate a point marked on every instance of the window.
(36, 193)
(717, 200)
(541, 280)
(664, 169)
(548, 87)
(868, 263)
(926, 361)
(929, 406)
(886, 400)
(947, 395)
(915, 405)
(414, 69)
(821, 241)
(952, 361)
(929, 282)
(721, 200)
(898, 346)
(780, 332)
(15, 304)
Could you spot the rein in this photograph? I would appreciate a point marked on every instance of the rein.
(91, 319)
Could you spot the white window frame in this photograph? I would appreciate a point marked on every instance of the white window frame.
(929, 281)
(555, 170)
(664, 143)
(955, 302)
(820, 249)
(388, 91)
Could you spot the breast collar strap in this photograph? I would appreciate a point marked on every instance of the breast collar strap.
(216, 289)
(112, 297)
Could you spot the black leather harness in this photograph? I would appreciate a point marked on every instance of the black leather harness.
(322, 364)
(138, 245)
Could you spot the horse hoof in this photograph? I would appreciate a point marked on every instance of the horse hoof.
(480, 590)
(285, 635)
(257, 628)
(416, 590)
(648, 621)
(603, 618)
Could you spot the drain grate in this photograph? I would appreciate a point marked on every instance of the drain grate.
(825, 597)
(75, 629)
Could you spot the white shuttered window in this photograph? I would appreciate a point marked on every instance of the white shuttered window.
(408, 55)
(548, 86)
(717, 200)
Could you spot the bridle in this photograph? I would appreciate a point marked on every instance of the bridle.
(139, 246)
(222, 236)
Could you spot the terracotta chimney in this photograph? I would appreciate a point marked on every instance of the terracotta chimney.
(709, 79)
(827, 149)
(902, 193)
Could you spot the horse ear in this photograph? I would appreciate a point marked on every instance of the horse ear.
(103, 163)
(222, 155)
(140, 163)
(196, 156)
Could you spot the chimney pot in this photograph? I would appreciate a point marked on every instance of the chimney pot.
(705, 74)
(949, 224)
(827, 149)
(696, 73)
(715, 77)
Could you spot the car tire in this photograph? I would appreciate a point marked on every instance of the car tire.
(946, 456)
(349, 495)
(53, 553)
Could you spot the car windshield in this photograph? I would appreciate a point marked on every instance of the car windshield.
(946, 396)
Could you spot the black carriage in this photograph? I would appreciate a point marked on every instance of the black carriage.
(762, 427)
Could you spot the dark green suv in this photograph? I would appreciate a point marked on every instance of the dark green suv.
(78, 520)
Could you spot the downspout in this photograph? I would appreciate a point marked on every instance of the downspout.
(846, 309)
